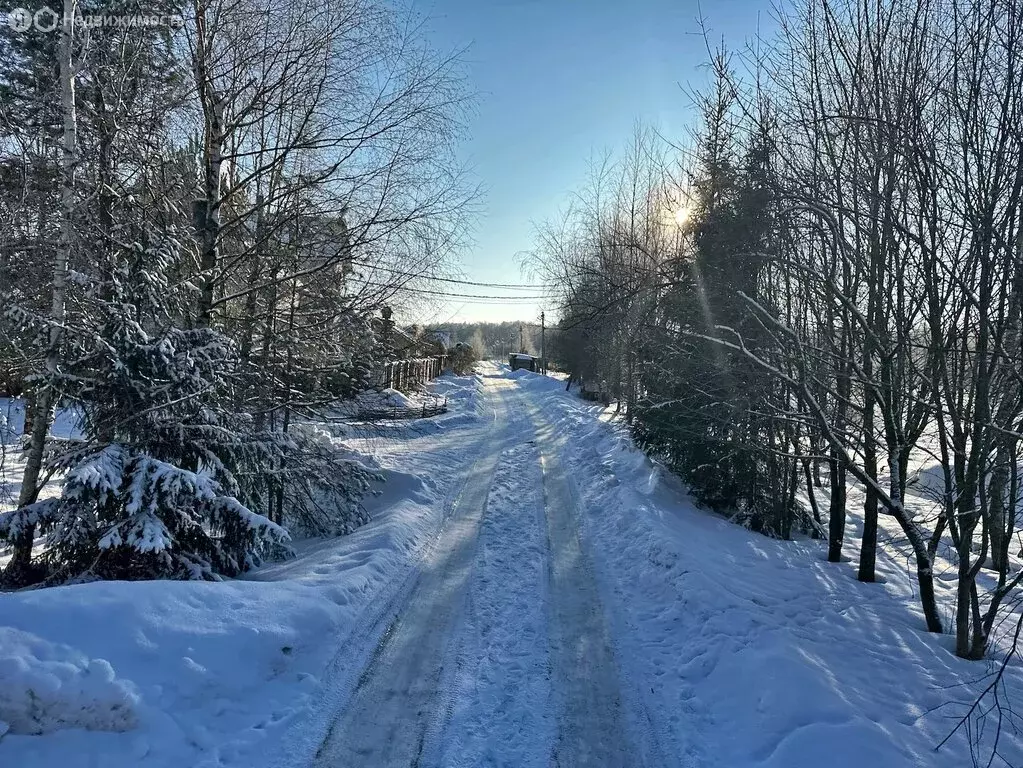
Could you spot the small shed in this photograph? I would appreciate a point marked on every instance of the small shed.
(521, 360)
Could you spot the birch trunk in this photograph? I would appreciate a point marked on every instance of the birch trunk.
(213, 161)
(19, 568)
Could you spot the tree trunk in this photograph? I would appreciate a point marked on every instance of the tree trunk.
(212, 162)
(815, 533)
(836, 511)
(998, 515)
(964, 548)
(19, 568)
(925, 577)
(868, 542)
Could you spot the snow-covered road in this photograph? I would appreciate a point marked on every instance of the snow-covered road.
(411, 705)
(580, 611)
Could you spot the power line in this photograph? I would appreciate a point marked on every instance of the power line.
(491, 303)
(508, 286)
(451, 295)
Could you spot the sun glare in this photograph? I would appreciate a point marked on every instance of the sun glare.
(682, 215)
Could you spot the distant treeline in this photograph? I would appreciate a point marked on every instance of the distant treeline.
(494, 339)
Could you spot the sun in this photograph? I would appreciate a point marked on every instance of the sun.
(682, 214)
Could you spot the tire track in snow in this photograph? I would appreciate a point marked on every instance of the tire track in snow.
(395, 702)
(299, 744)
(591, 730)
(500, 670)
(595, 490)
(404, 710)
(614, 705)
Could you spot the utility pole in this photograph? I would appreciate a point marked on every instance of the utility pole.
(543, 345)
(522, 349)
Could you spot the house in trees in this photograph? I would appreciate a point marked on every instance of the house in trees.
(410, 343)
(324, 248)
(405, 345)
(414, 343)
(441, 340)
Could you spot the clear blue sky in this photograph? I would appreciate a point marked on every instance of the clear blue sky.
(560, 81)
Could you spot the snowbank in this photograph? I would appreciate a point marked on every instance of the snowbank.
(464, 394)
(523, 373)
(466, 408)
(384, 398)
(375, 400)
(217, 668)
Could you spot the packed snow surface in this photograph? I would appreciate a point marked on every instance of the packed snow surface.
(500, 679)
(724, 649)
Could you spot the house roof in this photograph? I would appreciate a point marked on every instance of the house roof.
(402, 339)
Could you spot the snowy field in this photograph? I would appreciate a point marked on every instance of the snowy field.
(727, 649)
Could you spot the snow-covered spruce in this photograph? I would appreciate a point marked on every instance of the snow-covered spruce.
(151, 489)
(123, 514)
(323, 485)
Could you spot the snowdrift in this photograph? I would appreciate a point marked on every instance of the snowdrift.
(45, 687)
(206, 671)
(377, 399)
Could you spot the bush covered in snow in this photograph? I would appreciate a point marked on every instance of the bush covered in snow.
(123, 514)
(325, 485)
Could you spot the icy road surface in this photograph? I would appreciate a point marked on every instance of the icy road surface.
(412, 705)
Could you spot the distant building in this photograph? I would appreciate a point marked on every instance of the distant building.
(443, 338)
(403, 345)
(406, 346)
(518, 360)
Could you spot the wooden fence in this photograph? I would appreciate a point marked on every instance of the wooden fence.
(430, 407)
(404, 375)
